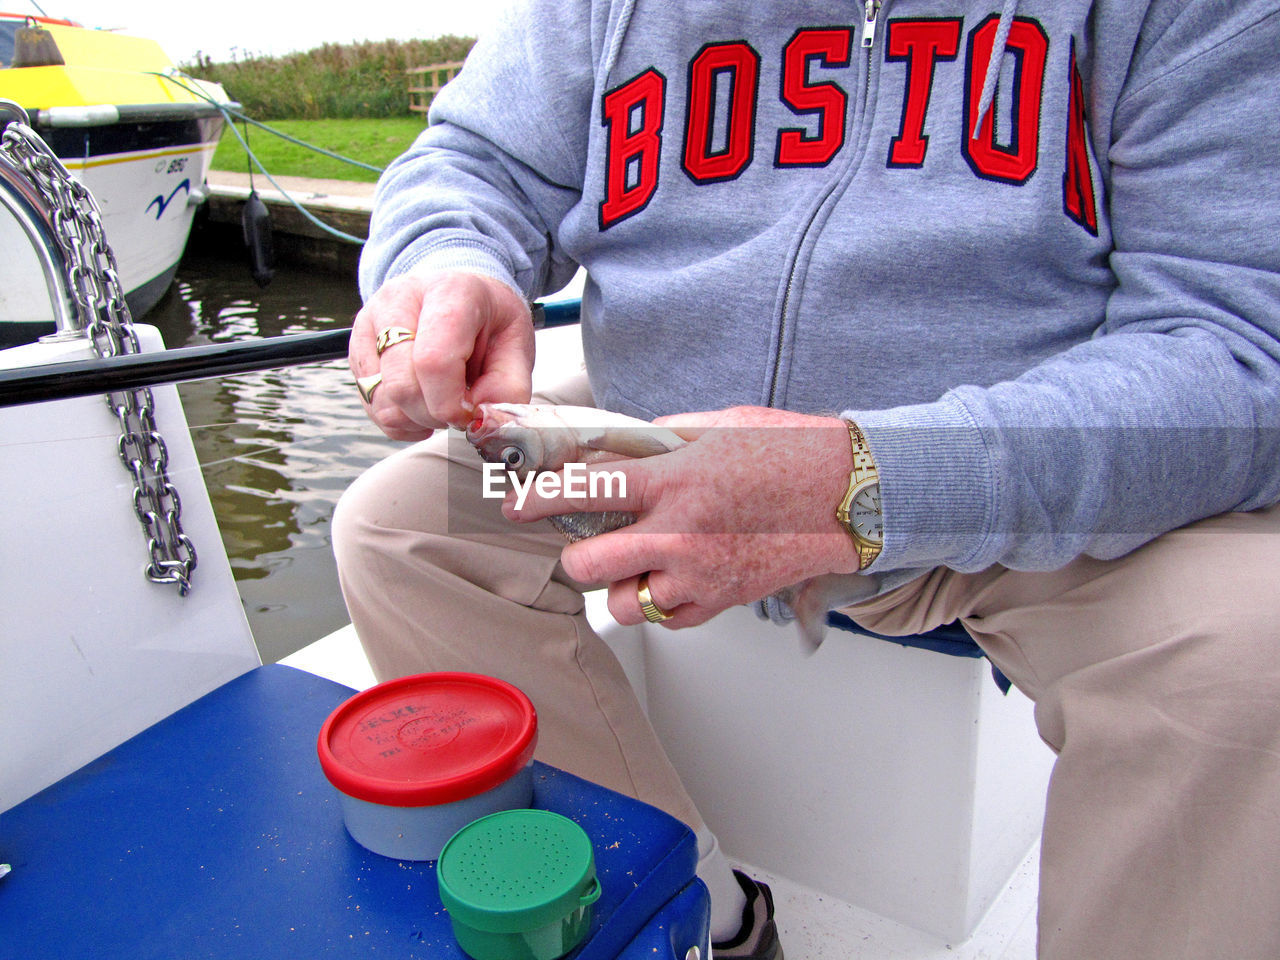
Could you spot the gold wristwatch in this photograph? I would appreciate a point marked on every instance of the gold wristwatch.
(859, 511)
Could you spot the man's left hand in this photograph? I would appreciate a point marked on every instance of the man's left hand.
(745, 509)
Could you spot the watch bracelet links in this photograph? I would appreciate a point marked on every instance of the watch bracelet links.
(864, 466)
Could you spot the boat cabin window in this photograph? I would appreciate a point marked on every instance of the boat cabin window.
(7, 29)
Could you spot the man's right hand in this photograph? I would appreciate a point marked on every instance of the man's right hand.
(473, 343)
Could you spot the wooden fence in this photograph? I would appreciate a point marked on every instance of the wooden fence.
(426, 82)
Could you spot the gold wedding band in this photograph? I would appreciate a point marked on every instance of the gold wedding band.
(652, 612)
(391, 336)
(366, 386)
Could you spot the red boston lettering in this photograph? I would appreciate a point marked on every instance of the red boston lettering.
(1077, 182)
(921, 43)
(1015, 161)
(634, 148)
(827, 100)
(738, 65)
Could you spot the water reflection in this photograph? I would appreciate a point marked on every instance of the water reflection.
(277, 448)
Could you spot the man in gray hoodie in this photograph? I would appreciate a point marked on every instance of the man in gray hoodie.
(1031, 258)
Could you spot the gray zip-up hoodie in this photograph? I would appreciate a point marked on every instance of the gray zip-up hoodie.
(1033, 249)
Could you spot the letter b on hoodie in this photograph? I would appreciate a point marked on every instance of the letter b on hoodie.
(632, 114)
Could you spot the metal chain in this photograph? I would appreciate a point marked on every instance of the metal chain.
(99, 299)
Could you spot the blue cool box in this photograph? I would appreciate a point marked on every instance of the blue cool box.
(215, 834)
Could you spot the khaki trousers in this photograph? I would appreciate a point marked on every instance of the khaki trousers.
(1156, 679)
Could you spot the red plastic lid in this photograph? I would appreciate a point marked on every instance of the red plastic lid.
(428, 739)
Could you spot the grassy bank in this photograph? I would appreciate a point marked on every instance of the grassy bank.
(374, 141)
(336, 80)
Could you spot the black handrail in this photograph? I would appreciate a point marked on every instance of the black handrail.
(80, 378)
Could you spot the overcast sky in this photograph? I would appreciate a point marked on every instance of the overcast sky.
(269, 26)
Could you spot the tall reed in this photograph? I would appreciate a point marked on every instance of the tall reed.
(364, 79)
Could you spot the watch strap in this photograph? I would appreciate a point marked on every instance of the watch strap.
(864, 469)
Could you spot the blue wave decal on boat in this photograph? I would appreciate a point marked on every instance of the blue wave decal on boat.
(162, 203)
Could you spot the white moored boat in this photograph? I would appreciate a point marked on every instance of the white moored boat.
(127, 125)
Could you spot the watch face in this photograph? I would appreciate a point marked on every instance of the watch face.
(864, 514)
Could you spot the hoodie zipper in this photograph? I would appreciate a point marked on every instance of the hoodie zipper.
(871, 13)
(870, 9)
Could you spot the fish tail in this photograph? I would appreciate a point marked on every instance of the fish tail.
(811, 600)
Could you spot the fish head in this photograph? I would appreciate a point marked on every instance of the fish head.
(507, 433)
(530, 437)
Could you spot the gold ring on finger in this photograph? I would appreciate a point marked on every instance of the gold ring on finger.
(652, 612)
(391, 336)
(366, 386)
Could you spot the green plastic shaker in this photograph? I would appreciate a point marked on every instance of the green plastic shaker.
(519, 885)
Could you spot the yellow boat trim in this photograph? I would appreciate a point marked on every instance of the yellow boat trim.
(140, 155)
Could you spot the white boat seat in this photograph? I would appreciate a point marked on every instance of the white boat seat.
(951, 639)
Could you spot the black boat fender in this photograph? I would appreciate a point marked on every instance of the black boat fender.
(256, 220)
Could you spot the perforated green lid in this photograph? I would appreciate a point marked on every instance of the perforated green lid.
(517, 870)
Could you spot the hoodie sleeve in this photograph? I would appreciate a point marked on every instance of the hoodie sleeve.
(501, 161)
(1171, 412)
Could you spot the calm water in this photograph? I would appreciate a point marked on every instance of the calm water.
(277, 448)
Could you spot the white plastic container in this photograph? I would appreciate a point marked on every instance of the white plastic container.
(418, 758)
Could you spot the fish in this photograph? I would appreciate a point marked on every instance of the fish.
(530, 438)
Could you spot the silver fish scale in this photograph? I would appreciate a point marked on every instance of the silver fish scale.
(580, 526)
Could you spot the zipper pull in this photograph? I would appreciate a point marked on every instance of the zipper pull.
(872, 8)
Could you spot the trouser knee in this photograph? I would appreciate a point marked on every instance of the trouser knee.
(405, 495)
